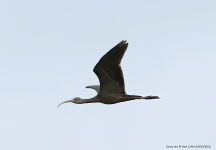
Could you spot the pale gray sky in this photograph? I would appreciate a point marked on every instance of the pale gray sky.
(48, 51)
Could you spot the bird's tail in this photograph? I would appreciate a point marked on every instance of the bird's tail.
(132, 97)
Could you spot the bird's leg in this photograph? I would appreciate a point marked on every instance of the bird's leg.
(150, 97)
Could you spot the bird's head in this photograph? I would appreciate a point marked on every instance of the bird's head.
(75, 100)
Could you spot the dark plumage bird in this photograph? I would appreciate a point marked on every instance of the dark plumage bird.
(112, 87)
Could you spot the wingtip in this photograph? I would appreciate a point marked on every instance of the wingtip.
(123, 42)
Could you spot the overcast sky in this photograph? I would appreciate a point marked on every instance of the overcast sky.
(48, 51)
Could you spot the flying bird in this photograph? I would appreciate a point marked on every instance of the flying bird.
(109, 72)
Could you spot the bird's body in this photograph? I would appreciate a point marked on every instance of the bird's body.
(112, 87)
(110, 98)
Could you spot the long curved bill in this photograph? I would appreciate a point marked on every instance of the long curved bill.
(65, 102)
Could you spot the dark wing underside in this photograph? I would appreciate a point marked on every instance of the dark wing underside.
(109, 71)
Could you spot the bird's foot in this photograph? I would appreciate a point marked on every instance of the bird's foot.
(151, 97)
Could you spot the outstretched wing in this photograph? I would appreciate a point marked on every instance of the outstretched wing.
(109, 71)
(95, 87)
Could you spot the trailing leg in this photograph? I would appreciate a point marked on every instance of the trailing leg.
(150, 97)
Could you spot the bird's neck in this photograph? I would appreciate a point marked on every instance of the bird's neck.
(90, 100)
